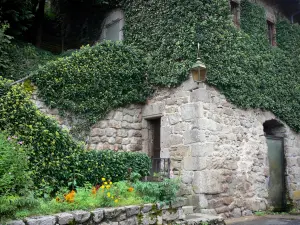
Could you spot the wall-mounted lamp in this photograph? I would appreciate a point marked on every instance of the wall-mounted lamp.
(199, 70)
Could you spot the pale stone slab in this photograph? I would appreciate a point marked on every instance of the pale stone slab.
(208, 182)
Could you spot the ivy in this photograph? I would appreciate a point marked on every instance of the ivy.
(93, 81)
(55, 158)
(241, 63)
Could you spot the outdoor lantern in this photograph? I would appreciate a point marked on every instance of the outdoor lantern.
(199, 69)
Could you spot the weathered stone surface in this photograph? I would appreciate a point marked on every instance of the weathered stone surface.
(237, 212)
(148, 219)
(147, 207)
(15, 222)
(98, 215)
(129, 221)
(110, 213)
(188, 210)
(191, 111)
(41, 220)
(208, 182)
(81, 216)
(64, 218)
(132, 210)
(169, 215)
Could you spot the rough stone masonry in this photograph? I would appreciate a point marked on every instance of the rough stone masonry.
(218, 150)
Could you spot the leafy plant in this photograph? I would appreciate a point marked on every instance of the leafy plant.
(93, 81)
(164, 191)
(15, 180)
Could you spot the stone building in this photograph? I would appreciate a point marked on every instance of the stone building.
(230, 161)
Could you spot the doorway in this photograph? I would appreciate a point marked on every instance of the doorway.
(274, 132)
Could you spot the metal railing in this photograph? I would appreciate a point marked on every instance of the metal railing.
(160, 168)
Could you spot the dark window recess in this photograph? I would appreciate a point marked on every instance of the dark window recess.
(271, 33)
(235, 7)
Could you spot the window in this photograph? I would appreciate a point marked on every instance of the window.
(271, 33)
(235, 11)
(112, 27)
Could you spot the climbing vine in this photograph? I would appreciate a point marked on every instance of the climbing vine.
(241, 63)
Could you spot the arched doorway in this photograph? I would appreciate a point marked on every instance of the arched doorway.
(275, 132)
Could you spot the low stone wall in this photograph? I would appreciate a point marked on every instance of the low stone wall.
(128, 215)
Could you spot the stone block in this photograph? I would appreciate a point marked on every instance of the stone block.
(98, 215)
(130, 221)
(15, 222)
(81, 216)
(148, 219)
(134, 133)
(136, 126)
(174, 118)
(188, 210)
(118, 116)
(110, 132)
(179, 202)
(202, 149)
(115, 124)
(222, 209)
(194, 163)
(190, 85)
(147, 208)
(97, 132)
(154, 109)
(209, 211)
(128, 118)
(64, 218)
(110, 213)
(41, 220)
(208, 182)
(200, 95)
(132, 210)
(236, 213)
(194, 136)
(191, 111)
(169, 215)
(187, 177)
(179, 128)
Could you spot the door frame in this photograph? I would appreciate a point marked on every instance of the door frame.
(284, 183)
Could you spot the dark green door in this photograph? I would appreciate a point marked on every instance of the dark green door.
(276, 166)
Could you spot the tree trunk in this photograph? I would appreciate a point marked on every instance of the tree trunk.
(40, 20)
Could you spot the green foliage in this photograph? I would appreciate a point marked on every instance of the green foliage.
(55, 158)
(164, 191)
(111, 165)
(94, 80)
(165, 30)
(22, 59)
(15, 181)
(18, 13)
(5, 41)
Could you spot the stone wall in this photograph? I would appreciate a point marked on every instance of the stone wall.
(128, 215)
(218, 150)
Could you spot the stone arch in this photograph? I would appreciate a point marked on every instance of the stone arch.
(112, 26)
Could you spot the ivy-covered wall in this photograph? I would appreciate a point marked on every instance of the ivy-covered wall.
(241, 63)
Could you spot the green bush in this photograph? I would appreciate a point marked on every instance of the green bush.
(55, 158)
(115, 166)
(94, 80)
(15, 180)
(164, 191)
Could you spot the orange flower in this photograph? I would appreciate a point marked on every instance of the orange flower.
(94, 191)
(131, 189)
(70, 196)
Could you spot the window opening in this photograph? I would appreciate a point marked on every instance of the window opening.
(235, 8)
(271, 33)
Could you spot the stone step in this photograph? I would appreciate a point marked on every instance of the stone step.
(198, 218)
(188, 210)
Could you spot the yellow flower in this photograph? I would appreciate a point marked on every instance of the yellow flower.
(103, 179)
(102, 187)
(110, 183)
(105, 183)
(116, 200)
(108, 186)
(108, 194)
(131, 189)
